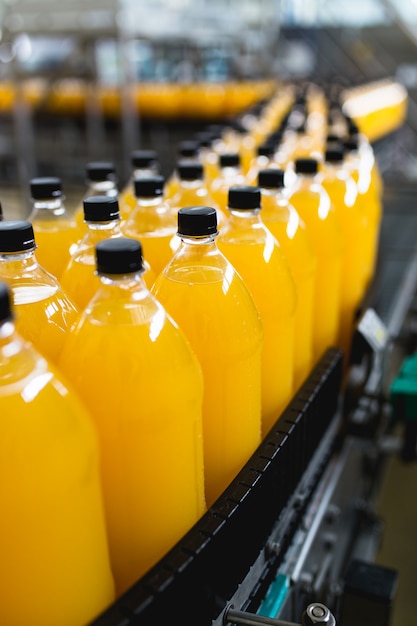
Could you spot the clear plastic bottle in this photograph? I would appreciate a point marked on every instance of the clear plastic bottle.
(153, 222)
(360, 168)
(144, 163)
(209, 300)
(53, 541)
(264, 159)
(57, 232)
(312, 202)
(142, 383)
(342, 190)
(230, 175)
(254, 252)
(45, 312)
(286, 225)
(188, 150)
(101, 180)
(193, 190)
(102, 219)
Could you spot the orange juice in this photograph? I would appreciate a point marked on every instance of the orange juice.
(193, 190)
(79, 279)
(264, 159)
(312, 203)
(230, 174)
(101, 181)
(142, 383)
(45, 311)
(188, 150)
(369, 200)
(343, 194)
(52, 531)
(210, 302)
(256, 255)
(144, 163)
(152, 222)
(285, 223)
(208, 155)
(57, 232)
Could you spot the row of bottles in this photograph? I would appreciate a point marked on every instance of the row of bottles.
(183, 314)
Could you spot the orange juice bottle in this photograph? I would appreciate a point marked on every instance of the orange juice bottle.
(79, 279)
(45, 311)
(144, 163)
(230, 175)
(313, 204)
(343, 194)
(256, 255)
(286, 225)
(188, 150)
(193, 190)
(209, 300)
(57, 232)
(53, 538)
(101, 181)
(152, 222)
(208, 155)
(138, 376)
(360, 168)
(264, 159)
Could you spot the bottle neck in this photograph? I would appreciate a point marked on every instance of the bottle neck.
(102, 188)
(246, 216)
(113, 225)
(24, 257)
(49, 207)
(131, 284)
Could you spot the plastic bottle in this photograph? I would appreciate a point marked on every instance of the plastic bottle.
(208, 154)
(230, 175)
(312, 202)
(285, 223)
(343, 194)
(152, 222)
(79, 279)
(209, 300)
(138, 376)
(256, 255)
(45, 312)
(144, 163)
(360, 168)
(101, 181)
(188, 150)
(57, 232)
(53, 542)
(193, 190)
(264, 159)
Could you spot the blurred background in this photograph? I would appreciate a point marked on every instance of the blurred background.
(94, 79)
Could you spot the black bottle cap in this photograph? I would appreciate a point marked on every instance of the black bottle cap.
(119, 256)
(190, 171)
(229, 159)
(334, 154)
(244, 197)
(189, 148)
(45, 187)
(351, 144)
(1, 212)
(98, 171)
(272, 178)
(16, 236)
(205, 138)
(6, 307)
(144, 158)
(197, 221)
(149, 186)
(306, 165)
(101, 209)
(332, 137)
(266, 149)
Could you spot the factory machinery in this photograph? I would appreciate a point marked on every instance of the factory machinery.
(293, 539)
